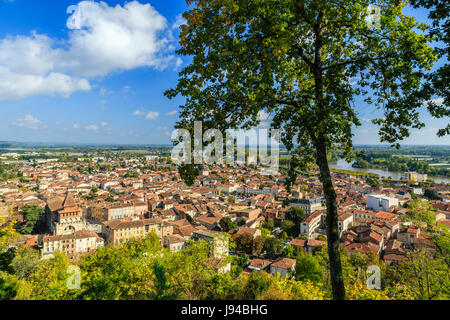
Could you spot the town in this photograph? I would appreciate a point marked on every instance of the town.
(76, 205)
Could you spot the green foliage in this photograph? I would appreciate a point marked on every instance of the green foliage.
(244, 242)
(8, 286)
(120, 273)
(427, 277)
(289, 227)
(49, 282)
(25, 262)
(238, 264)
(273, 246)
(308, 268)
(268, 224)
(6, 257)
(162, 291)
(421, 211)
(226, 224)
(188, 173)
(374, 183)
(32, 215)
(431, 195)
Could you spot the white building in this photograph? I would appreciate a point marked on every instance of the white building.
(310, 224)
(283, 266)
(380, 202)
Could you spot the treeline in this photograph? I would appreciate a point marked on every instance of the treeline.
(391, 162)
(8, 171)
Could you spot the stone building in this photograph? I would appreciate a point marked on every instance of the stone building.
(64, 216)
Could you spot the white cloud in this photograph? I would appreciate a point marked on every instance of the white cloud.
(102, 40)
(138, 113)
(104, 124)
(92, 127)
(76, 126)
(171, 113)
(28, 121)
(437, 101)
(152, 115)
(179, 22)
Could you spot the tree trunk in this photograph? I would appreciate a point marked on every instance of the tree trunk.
(337, 280)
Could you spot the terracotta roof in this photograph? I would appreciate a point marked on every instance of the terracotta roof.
(316, 243)
(69, 201)
(298, 242)
(284, 263)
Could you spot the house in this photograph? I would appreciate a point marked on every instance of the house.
(344, 221)
(259, 264)
(251, 231)
(313, 245)
(283, 266)
(408, 235)
(73, 245)
(298, 243)
(174, 242)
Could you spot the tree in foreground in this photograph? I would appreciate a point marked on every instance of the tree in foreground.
(305, 63)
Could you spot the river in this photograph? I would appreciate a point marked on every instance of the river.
(342, 164)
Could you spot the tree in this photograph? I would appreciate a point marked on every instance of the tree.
(431, 194)
(25, 262)
(244, 242)
(288, 226)
(258, 245)
(422, 211)
(163, 290)
(31, 215)
(427, 277)
(273, 246)
(298, 60)
(268, 224)
(308, 268)
(439, 82)
(296, 216)
(238, 264)
(226, 224)
(6, 258)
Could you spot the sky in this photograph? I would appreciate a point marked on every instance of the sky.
(95, 72)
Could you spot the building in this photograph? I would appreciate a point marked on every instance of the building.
(220, 241)
(380, 202)
(413, 176)
(311, 223)
(73, 245)
(64, 216)
(258, 264)
(344, 221)
(174, 242)
(124, 211)
(283, 266)
(120, 231)
(309, 205)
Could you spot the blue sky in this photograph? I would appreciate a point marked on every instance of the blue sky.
(71, 80)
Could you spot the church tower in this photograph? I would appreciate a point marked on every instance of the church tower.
(67, 217)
